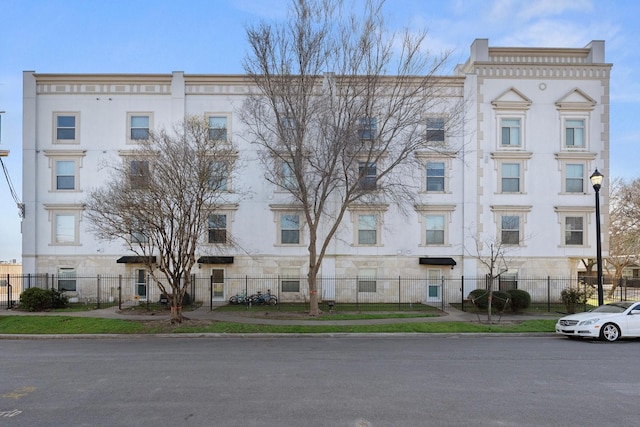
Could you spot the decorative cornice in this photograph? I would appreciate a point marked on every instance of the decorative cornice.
(511, 208)
(434, 208)
(515, 155)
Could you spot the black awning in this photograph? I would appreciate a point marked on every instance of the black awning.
(437, 261)
(134, 259)
(215, 260)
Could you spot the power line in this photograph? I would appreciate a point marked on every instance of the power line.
(12, 189)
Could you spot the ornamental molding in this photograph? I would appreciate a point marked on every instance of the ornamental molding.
(576, 100)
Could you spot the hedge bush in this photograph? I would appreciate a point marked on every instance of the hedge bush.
(36, 299)
(481, 300)
(520, 300)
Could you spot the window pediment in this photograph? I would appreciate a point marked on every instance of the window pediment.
(576, 100)
(511, 99)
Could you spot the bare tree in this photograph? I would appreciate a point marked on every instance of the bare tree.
(159, 198)
(339, 111)
(496, 264)
(624, 227)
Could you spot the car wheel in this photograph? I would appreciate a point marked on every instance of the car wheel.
(610, 332)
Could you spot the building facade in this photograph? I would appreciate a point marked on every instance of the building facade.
(536, 125)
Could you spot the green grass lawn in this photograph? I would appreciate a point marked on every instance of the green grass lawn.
(53, 324)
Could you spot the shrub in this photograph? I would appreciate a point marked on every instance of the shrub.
(520, 300)
(480, 299)
(573, 297)
(36, 299)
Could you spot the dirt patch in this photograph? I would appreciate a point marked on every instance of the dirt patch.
(165, 325)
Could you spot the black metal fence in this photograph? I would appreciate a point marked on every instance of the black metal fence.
(365, 293)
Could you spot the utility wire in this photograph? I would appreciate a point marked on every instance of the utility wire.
(12, 189)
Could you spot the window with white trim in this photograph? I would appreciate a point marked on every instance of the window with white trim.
(367, 173)
(435, 130)
(290, 280)
(574, 167)
(139, 234)
(574, 133)
(435, 176)
(435, 225)
(510, 223)
(138, 126)
(65, 224)
(67, 279)
(289, 229)
(289, 224)
(510, 169)
(574, 230)
(367, 229)
(65, 228)
(367, 221)
(573, 222)
(218, 127)
(66, 128)
(510, 132)
(510, 229)
(288, 128)
(288, 179)
(367, 128)
(574, 178)
(65, 174)
(139, 174)
(219, 179)
(367, 280)
(217, 225)
(65, 169)
(510, 175)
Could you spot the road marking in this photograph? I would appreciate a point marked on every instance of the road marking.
(9, 414)
(19, 393)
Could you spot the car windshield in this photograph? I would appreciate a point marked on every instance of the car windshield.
(616, 307)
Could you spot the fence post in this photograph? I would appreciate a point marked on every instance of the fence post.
(9, 305)
(399, 296)
(548, 294)
(246, 290)
(98, 292)
(119, 291)
(462, 292)
(357, 293)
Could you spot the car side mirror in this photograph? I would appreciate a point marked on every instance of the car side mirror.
(635, 311)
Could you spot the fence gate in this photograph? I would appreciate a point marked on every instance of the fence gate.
(217, 282)
(141, 284)
(434, 286)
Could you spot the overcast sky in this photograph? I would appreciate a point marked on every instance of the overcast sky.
(208, 36)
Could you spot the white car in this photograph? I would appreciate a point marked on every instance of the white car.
(607, 322)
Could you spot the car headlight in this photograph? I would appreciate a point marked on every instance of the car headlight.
(588, 322)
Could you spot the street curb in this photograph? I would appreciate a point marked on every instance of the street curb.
(205, 335)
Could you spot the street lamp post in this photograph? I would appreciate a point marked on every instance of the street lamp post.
(596, 181)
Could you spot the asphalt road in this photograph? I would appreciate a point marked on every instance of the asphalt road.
(313, 381)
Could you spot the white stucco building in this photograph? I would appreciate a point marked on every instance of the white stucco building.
(536, 126)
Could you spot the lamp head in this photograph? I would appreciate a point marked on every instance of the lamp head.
(596, 180)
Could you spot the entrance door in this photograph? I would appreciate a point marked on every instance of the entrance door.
(141, 285)
(434, 285)
(218, 284)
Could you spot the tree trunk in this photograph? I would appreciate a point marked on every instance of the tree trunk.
(176, 306)
(490, 300)
(176, 314)
(314, 309)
